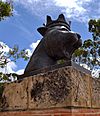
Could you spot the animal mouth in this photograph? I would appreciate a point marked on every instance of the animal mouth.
(68, 53)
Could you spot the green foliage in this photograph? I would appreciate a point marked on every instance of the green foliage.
(5, 10)
(89, 53)
(15, 54)
(87, 43)
(11, 56)
(94, 27)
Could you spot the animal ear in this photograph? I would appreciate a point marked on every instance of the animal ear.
(42, 30)
(49, 20)
(61, 18)
(78, 35)
(70, 23)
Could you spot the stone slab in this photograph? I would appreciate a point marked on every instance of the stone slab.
(64, 87)
(15, 95)
(95, 92)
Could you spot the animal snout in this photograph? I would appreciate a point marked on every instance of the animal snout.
(79, 42)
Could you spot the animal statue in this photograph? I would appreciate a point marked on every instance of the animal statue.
(58, 42)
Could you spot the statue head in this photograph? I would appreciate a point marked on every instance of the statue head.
(60, 21)
(60, 41)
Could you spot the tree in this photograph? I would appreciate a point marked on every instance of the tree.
(10, 56)
(89, 53)
(94, 27)
(13, 54)
(5, 10)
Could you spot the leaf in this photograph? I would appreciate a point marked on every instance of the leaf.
(5, 77)
(78, 52)
(85, 53)
(5, 10)
(99, 51)
(88, 43)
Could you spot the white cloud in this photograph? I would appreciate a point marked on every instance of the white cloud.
(9, 68)
(80, 10)
(96, 72)
(85, 66)
(19, 72)
(75, 9)
(4, 47)
(32, 47)
(30, 51)
(15, 12)
(3, 0)
(11, 65)
(67, 3)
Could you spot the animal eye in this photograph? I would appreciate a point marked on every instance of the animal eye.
(63, 29)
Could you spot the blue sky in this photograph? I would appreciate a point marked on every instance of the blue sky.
(28, 15)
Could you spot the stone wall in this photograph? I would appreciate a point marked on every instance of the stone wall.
(63, 90)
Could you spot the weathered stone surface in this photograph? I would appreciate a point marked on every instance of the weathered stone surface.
(49, 91)
(80, 94)
(15, 95)
(59, 88)
(95, 92)
(62, 87)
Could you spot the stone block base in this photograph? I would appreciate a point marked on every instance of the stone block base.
(61, 92)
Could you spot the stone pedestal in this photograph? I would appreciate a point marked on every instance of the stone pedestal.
(63, 90)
